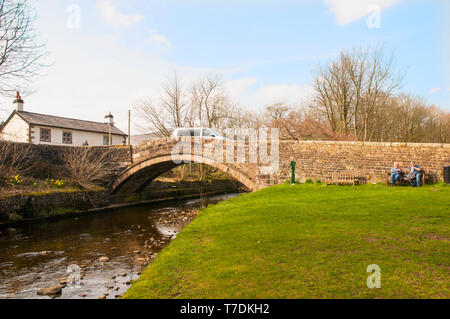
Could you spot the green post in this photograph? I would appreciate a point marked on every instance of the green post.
(293, 172)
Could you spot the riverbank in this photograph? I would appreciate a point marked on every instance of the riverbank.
(29, 208)
(90, 256)
(309, 241)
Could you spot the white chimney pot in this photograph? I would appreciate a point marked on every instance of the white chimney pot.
(18, 102)
(110, 119)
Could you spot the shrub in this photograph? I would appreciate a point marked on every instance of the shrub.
(86, 165)
(14, 158)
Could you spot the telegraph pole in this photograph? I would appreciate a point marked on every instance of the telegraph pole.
(129, 127)
(129, 136)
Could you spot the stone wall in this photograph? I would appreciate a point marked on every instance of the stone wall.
(371, 161)
(20, 208)
(44, 161)
(26, 207)
(315, 160)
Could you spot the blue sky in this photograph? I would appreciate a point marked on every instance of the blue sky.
(265, 50)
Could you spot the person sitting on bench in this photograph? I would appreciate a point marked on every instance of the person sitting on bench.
(396, 173)
(415, 175)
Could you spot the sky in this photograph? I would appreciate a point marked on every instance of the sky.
(106, 55)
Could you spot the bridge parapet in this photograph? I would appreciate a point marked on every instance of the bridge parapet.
(253, 158)
(315, 159)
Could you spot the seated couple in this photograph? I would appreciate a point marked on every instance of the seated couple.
(414, 176)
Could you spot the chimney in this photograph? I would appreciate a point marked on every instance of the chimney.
(110, 119)
(110, 123)
(19, 102)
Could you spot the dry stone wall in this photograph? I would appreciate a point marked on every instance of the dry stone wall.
(371, 161)
(318, 159)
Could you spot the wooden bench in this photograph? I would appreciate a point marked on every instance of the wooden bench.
(404, 181)
(342, 179)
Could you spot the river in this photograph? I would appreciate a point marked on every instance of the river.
(37, 256)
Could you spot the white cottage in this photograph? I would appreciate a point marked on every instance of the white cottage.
(35, 128)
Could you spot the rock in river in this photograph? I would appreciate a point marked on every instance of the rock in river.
(103, 259)
(50, 291)
(63, 281)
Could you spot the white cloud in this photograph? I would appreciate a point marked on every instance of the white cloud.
(238, 87)
(160, 39)
(88, 83)
(93, 75)
(287, 93)
(348, 11)
(247, 92)
(113, 17)
(434, 90)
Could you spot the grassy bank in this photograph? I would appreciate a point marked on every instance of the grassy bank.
(310, 241)
(43, 191)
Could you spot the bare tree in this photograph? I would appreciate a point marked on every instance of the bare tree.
(86, 165)
(168, 112)
(437, 129)
(210, 105)
(15, 159)
(277, 111)
(243, 118)
(300, 123)
(408, 118)
(375, 82)
(205, 105)
(411, 115)
(354, 87)
(335, 94)
(20, 53)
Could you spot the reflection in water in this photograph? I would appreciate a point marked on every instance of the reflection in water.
(43, 255)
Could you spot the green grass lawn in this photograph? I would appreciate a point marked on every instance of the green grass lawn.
(310, 241)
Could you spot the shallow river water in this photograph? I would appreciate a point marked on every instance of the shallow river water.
(37, 256)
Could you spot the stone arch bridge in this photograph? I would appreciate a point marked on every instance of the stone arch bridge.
(153, 158)
(271, 166)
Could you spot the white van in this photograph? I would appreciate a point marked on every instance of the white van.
(197, 132)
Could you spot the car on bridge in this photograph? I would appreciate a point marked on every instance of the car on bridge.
(197, 132)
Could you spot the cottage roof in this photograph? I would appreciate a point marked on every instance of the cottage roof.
(67, 123)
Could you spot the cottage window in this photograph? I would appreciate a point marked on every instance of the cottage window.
(45, 135)
(67, 137)
(106, 140)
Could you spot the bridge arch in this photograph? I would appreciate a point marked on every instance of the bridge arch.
(137, 177)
